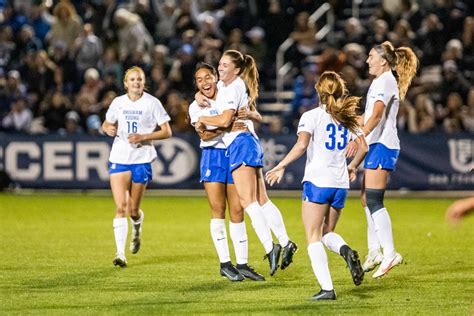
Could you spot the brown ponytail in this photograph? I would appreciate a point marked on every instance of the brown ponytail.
(333, 93)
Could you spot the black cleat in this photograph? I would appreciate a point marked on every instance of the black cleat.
(324, 295)
(230, 272)
(353, 263)
(120, 261)
(249, 273)
(273, 258)
(287, 255)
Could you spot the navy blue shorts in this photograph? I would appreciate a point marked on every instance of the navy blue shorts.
(245, 150)
(381, 156)
(141, 172)
(336, 197)
(214, 166)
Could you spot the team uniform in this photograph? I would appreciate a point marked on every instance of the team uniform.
(133, 117)
(384, 145)
(243, 147)
(142, 117)
(214, 165)
(326, 181)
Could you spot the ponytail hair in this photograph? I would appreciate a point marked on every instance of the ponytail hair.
(341, 106)
(248, 72)
(403, 61)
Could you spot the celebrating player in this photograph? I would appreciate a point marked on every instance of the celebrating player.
(132, 119)
(380, 129)
(324, 133)
(218, 183)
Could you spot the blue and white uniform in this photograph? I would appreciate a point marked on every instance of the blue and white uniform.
(384, 145)
(243, 148)
(214, 165)
(134, 117)
(326, 179)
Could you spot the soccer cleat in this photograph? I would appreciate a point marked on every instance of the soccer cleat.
(353, 263)
(273, 258)
(135, 241)
(230, 272)
(287, 254)
(373, 259)
(120, 261)
(249, 273)
(388, 264)
(324, 295)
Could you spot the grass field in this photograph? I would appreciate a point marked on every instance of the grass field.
(56, 258)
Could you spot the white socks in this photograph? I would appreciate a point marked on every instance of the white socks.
(319, 262)
(275, 221)
(137, 224)
(238, 234)
(120, 233)
(333, 242)
(383, 229)
(219, 237)
(260, 225)
(373, 242)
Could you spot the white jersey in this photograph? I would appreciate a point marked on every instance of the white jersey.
(326, 165)
(233, 97)
(385, 89)
(195, 112)
(139, 117)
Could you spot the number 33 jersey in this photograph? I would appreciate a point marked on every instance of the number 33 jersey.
(134, 117)
(326, 165)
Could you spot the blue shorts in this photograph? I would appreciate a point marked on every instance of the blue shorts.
(381, 156)
(336, 197)
(141, 172)
(245, 150)
(214, 166)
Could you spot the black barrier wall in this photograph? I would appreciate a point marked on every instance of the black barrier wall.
(427, 162)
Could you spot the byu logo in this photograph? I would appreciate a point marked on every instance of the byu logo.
(176, 161)
(461, 154)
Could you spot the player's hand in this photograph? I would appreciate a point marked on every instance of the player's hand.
(243, 113)
(352, 173)
(351, 149)
(201, 100)
(200, 127)
(239, 126)
(110, 129)
(135, 139)
(275, 175)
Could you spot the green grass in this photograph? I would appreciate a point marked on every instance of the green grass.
(56, 258)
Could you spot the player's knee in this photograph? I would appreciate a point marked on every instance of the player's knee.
(374, 199)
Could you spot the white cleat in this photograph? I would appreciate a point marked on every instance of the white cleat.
(372, 260)
(388, 264)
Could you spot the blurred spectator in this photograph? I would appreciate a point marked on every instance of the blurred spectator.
(402, 34)
(379, 34)
(66, 25)
(7, 46)
(420, 116)
(54, 109)
(71, 125)
(305, 97)
(451, 114)
(177, 108)
(109, 64)
(91, 87)
(453, 81)
(183, 20)
(93, 125)
(27, 42)
(67, 64)
(257, 46)
(181, 72)
(431, 39)
(15, 88)
(235, 41)
(159, 84)
(467, 113)
(167, 14)
(102, 107)
(132, 35)
(304, 36)
(88, 49)
(19, 118)
(410, 12)
(353, 32)
(40, 20)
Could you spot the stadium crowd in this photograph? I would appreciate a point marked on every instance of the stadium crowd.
(62, 62)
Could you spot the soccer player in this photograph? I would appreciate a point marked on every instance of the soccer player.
(238, 74)
(380, 129)
(133, 119)
(324, 133)
(218, 183)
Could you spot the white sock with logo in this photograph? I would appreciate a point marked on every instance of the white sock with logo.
(120, 225)
(373, 242)
(383, 229)
(333, 242)
(319, 262)
(219, 237)
(260, 225)
(275, 221)
(238, 234)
